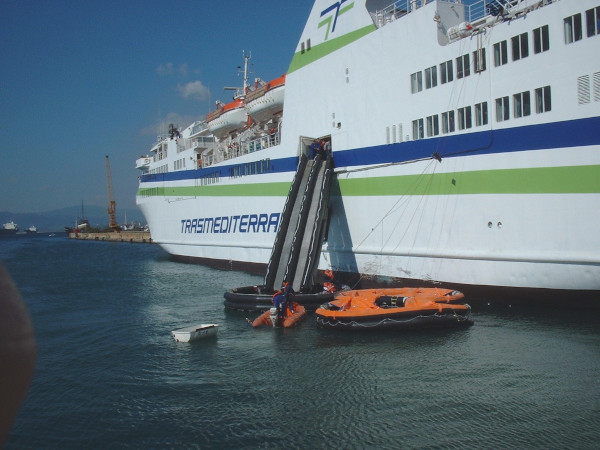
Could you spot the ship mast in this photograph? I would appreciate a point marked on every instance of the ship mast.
(112, 205)
(246, 85)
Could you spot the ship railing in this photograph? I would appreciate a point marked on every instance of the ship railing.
(199, 127)
(396, 10)
(231, 150)
(183, 144)
(504, 9)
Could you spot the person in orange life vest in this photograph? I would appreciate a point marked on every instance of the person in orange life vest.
(322, 149)
(329, 283)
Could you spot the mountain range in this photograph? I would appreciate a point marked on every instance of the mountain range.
(58, 219)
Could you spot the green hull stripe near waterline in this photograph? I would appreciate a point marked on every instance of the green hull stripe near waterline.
(544, 180)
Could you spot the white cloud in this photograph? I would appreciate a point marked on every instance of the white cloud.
(183, 70)
(165, 69)
(195, 90)
(169, 69)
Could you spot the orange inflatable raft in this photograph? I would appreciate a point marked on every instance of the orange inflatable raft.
(394, 308)
(290, 319)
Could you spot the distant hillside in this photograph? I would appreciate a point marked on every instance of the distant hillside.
(58, 219)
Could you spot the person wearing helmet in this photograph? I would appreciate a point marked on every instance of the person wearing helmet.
(279, 303)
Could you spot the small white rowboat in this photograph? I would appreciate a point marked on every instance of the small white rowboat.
(194, 332)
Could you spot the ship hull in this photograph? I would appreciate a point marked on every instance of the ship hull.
(505, 205)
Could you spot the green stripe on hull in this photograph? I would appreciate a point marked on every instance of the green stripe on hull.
(319, 51)
(543, 180)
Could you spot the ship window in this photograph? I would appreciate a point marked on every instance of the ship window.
(464, 118)
(502, 109)
(573, 29)
(592, 19)
(541, 39)
(446, 72)
(500, 53)
(481, 114)
(417, 129)
(433, 126)
(520, 47)
(448, 122)
(463, 67)
(543, 100)
(416, 82)
(430, 77)
(307, 44)
(302, 50)
(597, 87)
(479, 60)
(522, 104)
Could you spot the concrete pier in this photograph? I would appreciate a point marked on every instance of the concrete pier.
(115, 236)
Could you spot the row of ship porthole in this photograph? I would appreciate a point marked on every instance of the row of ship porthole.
(491, 224)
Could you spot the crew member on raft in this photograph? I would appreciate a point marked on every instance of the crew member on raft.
(288, 293)
(279, 303)
(329, 284)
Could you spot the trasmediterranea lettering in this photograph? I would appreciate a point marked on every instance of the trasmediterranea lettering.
(243, 223)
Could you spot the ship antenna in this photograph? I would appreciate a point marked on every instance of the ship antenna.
(246, 59)
(246, 86)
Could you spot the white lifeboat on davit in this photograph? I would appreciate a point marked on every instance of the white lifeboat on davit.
(227, 118)
(267, 100)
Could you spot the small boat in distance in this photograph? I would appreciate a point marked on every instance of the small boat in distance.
(195, 332)
(402, 308)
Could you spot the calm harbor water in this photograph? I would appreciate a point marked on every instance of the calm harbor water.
(109, 374)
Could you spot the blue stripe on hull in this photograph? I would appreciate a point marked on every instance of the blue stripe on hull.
(573, 133)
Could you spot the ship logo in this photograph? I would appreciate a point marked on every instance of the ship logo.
(331, 20)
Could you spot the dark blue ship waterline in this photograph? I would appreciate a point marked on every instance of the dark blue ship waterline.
(109, 374)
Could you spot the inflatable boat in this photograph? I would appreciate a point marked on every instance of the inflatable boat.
(269, 318)
(401, 308)
(259, 298)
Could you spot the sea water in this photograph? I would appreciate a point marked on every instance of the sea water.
(110, 375)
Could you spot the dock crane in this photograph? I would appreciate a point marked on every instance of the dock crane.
(113, 225)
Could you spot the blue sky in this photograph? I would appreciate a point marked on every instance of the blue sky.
(82, 79)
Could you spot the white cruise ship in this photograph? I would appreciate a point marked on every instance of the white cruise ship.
(465, 139)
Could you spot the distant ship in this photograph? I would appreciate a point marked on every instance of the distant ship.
(80, 224)
(31, 230)
(9, 228)
(465, 139)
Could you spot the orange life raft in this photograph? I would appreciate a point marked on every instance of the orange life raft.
(291, 318)
(394, 308)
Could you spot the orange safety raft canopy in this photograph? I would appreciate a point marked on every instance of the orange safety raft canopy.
(394, 308)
